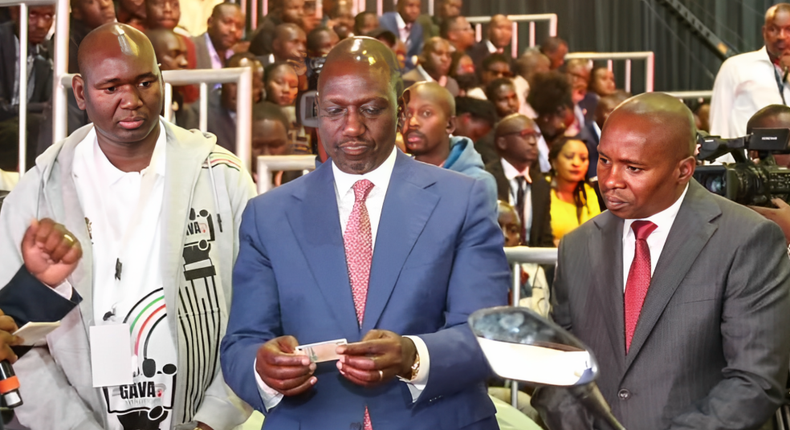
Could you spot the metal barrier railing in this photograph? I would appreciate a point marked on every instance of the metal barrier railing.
(516, 256)
(242, 76)
(690, 94)
(270, 163)
(648, 56)
(23, 44)
(478, 21)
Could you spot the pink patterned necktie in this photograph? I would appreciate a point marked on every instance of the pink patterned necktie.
(638, 279)
(358, 241)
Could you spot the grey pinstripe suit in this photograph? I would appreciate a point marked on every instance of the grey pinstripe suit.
(711, 347)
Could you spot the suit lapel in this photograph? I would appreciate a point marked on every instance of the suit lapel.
(315, 222)
(407, 208)
(606, 254)
(689, 233)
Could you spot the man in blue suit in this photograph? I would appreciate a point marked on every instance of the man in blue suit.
(404, 25)
(395, 269)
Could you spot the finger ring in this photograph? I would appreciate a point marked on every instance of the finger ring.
(68, 237)
(381, 375)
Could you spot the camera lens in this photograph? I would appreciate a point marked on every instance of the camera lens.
(715, 184)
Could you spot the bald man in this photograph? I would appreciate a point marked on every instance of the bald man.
(518, 178)
(224, 30)
(500, 31)
(434, 65)
(684, 311)
(373, 249)
(429, 121)
(156, 209)
(748, 82)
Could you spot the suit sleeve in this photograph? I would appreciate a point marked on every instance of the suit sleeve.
(756, 342)
(254, 313)
(479, 279)
(26, 299)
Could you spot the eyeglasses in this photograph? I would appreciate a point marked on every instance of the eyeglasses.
(526, 134)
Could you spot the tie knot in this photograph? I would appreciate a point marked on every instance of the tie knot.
(642, 229)
(362, 189)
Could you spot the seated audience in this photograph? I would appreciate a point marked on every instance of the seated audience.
(573, 200)
(269, 136)
(85, 16)
(443, 11)
(310, 19)
(474, 118)
(534, 287)
(526, 67)
(605, 107)
(280, 12)
(289, 44)
(498, 37)
(578, 72)
(388, 38)
(224, 31)
(517, 181)
(131, 12)
(434, 65)
(222, 102)
(459, 32)
(550, 97)
(602, 81)
(494, 66)
(365, 22)
(281, 84)
(502, 93)
(429, 121)
(166, 14)
(341, 20)
(39, 83)
(462, 69)
(403, 25)
(556, 49)
(171, 54)
(320, 41)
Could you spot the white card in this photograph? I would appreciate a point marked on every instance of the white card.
(111, 355)
(321, 351)
(33, 332)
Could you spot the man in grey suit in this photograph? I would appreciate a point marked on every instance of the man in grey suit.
(683, 296)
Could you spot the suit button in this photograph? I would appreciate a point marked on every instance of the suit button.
(624, 394)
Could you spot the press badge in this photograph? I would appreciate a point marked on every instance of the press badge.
(111, 355)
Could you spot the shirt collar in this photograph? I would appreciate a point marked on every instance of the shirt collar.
(111, 173)
(491, 48)
(511, 172)
(212, 52)
(380, 176)
(399, 20)
(663, 220)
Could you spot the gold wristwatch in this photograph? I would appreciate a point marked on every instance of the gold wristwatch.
(415, 367)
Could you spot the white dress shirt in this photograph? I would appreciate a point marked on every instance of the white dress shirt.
(510, 174)
(656, 241)
(442, 81)
(522, 92)
(492, 49)
(745, 84)
(344, 192)
(543, 150)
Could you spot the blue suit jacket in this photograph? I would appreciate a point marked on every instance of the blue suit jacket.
(438, 257)
(389, 22)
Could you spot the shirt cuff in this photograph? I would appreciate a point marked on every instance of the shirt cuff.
(417, 386)
(270, 396)
(65, 290)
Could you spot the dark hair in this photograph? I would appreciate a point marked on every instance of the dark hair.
(236, 58)
(476, 108)
(270, 111)
(494, 85)
(385, 36)
(494, 58)
(446, 25)
(579, 192)
(215, 12)
(268, 71)
(551, 45)
(359, 21)
(550, 92)
(313, 38)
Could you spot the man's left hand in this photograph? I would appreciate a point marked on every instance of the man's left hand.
(378, 358)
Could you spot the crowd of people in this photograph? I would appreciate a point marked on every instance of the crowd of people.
(433, 152)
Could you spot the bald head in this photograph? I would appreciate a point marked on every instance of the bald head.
(770, 14)
(512, 124)
(363, 52)
(772, 116)
(289, 42)
(532, 63)
(114, 40)
(434, 94)
(671, 121)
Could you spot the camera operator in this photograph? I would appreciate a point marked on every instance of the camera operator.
(774, 116)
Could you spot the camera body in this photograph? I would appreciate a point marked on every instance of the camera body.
(746, 181)
(306, 103)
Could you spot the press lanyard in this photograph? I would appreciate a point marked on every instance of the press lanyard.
(779, 82)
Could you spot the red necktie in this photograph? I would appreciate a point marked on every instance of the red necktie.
(638, 279)
(358, 241)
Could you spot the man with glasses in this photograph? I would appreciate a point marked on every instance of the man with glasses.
(519, 182)
(748, 82)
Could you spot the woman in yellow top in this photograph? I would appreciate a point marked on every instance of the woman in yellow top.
(573, 200)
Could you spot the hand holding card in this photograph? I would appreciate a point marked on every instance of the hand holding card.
(322, 351)
(282, 368)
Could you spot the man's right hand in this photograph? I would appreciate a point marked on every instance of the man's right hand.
(7, 340)
(282, 370)
(50, 251)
